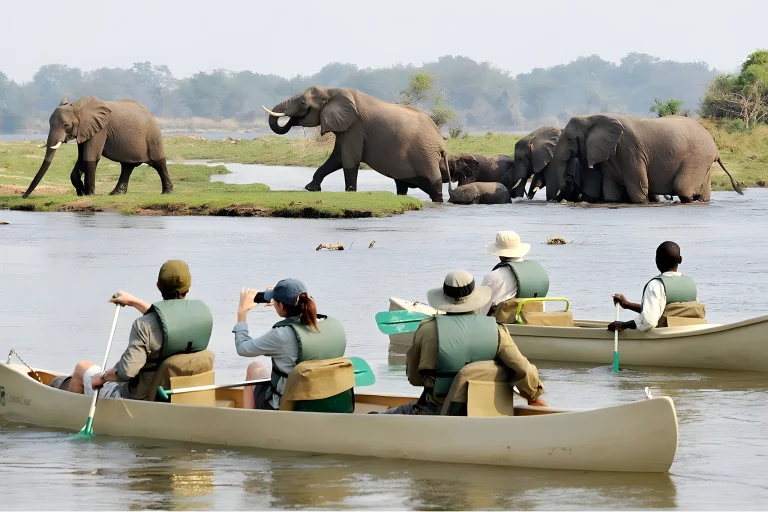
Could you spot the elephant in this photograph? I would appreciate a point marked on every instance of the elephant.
(469, 168)
(399, 141)
(532, 154)
(123, 131)
(632, 159)
(479, 193)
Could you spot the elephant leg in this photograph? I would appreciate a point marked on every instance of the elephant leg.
(332, 164)
(162, 170)
(121, 187)
(637, 189)
(402, 187)
(613, 191)
(75, 178)
(89, 167)
(433, 189)
(686, 185)
(350, 178)
(653, 198)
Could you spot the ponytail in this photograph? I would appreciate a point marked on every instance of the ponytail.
(306, 309)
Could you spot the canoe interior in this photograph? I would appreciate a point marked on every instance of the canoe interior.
(364, 402)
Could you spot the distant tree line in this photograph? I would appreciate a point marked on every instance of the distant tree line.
(461, 90)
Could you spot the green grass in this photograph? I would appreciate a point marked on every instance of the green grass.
(744, 154)
(193, 194)
(488, 144)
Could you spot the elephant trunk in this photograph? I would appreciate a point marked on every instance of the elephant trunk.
(280, 130)
(49, 152)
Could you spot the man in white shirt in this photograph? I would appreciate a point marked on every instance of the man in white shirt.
(505, 278)
(668, 287)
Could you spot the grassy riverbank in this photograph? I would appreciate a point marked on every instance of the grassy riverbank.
(194, 194)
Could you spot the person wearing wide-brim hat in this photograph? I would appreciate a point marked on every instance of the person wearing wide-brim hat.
(457, 338)
(513, 277)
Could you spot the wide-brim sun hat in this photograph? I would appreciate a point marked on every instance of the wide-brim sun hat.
(459, 294)
(508, 245)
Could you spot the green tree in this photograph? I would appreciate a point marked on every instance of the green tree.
(418, 91)
(671, 107)
(743, 96)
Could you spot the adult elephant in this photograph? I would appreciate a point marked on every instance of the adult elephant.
(399, 141)
(469, 168)
(123, 131)
(480, 193)
(632, 159)
(532, 154)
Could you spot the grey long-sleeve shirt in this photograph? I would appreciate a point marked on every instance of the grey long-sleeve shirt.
(279, 343)
(144, 343)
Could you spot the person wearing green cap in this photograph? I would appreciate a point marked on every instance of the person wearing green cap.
(132, 376)
(303, 335)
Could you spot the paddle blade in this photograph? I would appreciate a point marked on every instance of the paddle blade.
(616, 362)
(363, 374)
(401, 321)
(87, 431)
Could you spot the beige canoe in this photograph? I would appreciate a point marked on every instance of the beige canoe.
(637, 437)
(737, 346)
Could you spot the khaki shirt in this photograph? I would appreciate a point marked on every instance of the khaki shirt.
(421, 362)
(144, 344)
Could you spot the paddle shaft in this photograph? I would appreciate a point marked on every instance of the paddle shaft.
(616, 341)
(168, 392)
(88, 428)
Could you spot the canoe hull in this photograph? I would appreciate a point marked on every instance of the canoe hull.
(637, 437)
(737, 346)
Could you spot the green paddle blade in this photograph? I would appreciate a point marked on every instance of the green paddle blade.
(363, 374)
(87, 431)
(401, 321)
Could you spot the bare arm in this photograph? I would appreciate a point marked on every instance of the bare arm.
(126, 299)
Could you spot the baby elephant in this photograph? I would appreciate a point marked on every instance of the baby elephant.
(470, 168)
(480, 193)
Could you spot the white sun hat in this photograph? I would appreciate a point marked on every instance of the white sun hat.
(508, 245)
(459, 294)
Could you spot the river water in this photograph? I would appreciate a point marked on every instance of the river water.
(58, 269)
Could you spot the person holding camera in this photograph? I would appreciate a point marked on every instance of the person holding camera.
(302, 335)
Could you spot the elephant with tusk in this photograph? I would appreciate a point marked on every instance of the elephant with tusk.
(398, 141)
(123, 131)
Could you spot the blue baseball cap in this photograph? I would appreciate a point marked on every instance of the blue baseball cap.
(286, 291)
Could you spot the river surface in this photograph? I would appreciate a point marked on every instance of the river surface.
(58, 269)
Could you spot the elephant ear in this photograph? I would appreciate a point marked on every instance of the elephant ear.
(602, 138)
(338, 113)
(542, 148)
(93, 115)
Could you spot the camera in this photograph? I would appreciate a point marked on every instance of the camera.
(259, 298)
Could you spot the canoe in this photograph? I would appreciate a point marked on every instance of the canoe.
(738, 346)
(640, 436)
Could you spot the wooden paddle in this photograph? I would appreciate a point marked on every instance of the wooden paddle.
(87, 430)
(363, 377)
(400, 321)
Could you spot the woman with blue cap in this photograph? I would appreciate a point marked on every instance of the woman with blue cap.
(302, 335)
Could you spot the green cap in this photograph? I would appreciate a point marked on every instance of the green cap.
(174, 276)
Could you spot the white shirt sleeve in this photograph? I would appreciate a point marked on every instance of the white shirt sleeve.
(494, 281)
(654, 302)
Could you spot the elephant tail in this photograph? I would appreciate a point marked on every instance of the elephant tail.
(444, 162)
(735, 185)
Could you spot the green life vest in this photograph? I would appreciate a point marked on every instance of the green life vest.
(462, 339)
(677, 288)
(187, 326)
(532, 279)
(328, 342)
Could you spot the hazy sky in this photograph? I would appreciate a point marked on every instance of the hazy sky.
(290, 37)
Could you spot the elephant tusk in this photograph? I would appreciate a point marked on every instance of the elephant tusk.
(41, 146)
(273, 113)
(535, 189)
(518, 183)
(58, 144)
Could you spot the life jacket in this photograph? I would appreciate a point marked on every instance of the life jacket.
(681, 299)
(187, 326)
(532, 279)
(328, 342)
(462, 339)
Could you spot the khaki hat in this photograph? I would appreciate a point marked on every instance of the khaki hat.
(174, 276)
(508, 245)
(459, 294)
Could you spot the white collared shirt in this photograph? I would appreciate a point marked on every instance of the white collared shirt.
(654, 303)
(503, 284)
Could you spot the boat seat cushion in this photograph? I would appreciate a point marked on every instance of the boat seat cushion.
(549, 319)
(505, 311)
(455, 403)
(683, 313)
(324, 385)
(204, 398)
(181, 365)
